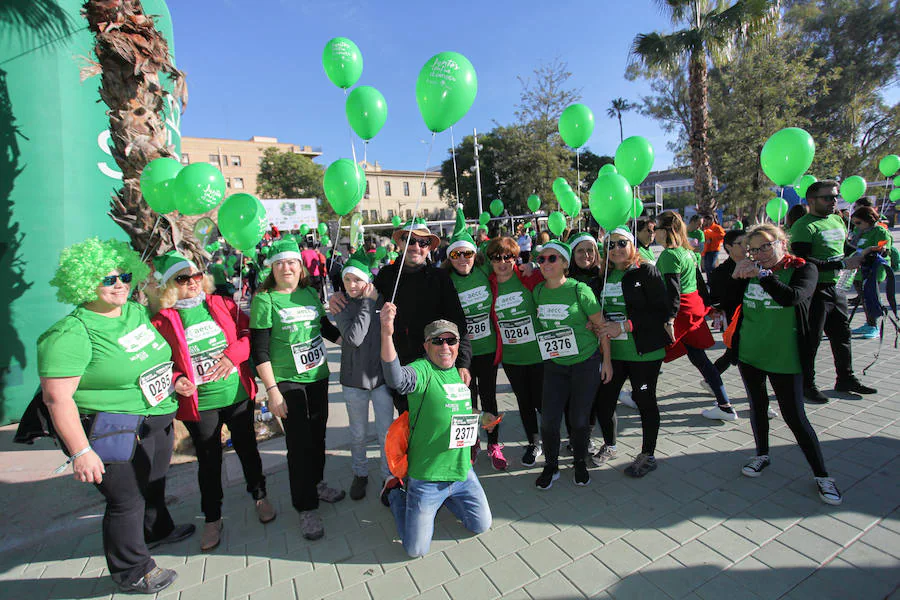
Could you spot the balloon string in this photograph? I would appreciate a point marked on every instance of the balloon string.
(365, 155)
(150, 239)
(578, 182)
(413, 220)
(237, 305)
(455, 172)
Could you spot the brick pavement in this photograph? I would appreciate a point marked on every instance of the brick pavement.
(695, 528)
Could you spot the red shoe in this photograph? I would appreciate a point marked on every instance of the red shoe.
(495, 451)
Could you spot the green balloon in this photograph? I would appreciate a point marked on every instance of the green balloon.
(737, 226)
(242, 221)
(496, 207)
(396, 221)
(366, 111)
(853, 188)
(445, 90)
(344, 184)
(897, 181)
(787, 155)
(556, 222)
(889, 165)
(304, 229)
(570, 203)
(637, 208)
(534, 202)
(484, 218)
(894, 195)
(342, 61)
(322, 229)
(803, 185)
(777, 208)
(158, 184)
(576, 124)
(325, 240)
(199, 188)
(560, 185)
(634, 159)
(380, 252)
(608, 168)
(214, 247)
(611, 200)
(204, 229)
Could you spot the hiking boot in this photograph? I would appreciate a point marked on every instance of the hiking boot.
(643, 464)
(814, 396)
(722, 413)
(498, 461)
(547, 477)
(155, 581)
(265, 512)
(329, 494)
(854, 386)
(603, 455)
(211, 536)
(389, 484)
(626, 399)
(358, 487)
(532, 451)
(755, 466)
(181, 532)
(311, 525)
(828, 491)
(582, 477)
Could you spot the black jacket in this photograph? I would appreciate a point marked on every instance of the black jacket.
(646, 304)
(424, 295)
(798, 292)
(719, 282)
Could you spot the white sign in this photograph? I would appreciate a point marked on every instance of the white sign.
(290, 213)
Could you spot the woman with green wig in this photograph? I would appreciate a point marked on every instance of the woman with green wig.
(108, 382)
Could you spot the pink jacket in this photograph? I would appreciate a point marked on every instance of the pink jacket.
(237, 334)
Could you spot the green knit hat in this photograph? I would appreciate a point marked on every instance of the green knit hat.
(581, 237)
(461, 237)
(168, 264)
(359, 264)
(563, 248)
(283, 250)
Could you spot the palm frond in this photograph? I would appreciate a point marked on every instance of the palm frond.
(36, 22)
(675, 9)
(743, 19)
(655, 50)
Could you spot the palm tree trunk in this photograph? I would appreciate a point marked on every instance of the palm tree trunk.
(621, 135)
(698, 92)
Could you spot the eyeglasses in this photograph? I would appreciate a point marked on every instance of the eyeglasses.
(111, 279)
(765, 247)
(549, 258)
(613, 244)
(439, 341)
(455, 254)
(503, 257)
(421, 242)
(183, 279)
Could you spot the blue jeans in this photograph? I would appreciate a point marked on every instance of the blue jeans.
(415, 508)
(358, 412)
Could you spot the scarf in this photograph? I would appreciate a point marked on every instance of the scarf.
(191, 302)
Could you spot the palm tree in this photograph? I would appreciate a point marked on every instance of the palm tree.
(713, 29)
(615, 110)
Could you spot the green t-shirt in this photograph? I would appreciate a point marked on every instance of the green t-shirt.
(871, 238)
(474, 292)
(439, 395)
(698, 235)
(296, 347)
(679, 260)
(647, 254)
(205, 340)
(112, 355)
(562, 315)
(769, 330)
(827, 235)
(217, 270)
(614, 308)
(517, 317)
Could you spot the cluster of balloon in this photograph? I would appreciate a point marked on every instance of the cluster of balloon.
(533, 202)
(344, 184)
(565, 196)
(802, 184)
(445, 90)
(242, 221)
(484, 218)
(889, 166)
(787, 155)
(496, 207)
(158, 184)
(853, 188)
(576, 124)
(777, 209)
(556, 223)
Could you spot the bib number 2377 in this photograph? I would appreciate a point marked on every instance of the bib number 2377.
(463, 431)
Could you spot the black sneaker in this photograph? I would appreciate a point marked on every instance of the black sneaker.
(547, 477)
(828, 491)
(814, 396)
(532, 451)
(155, 581)
(389, 484)
(358, 487)
(582, 477)
(643, 464)
(755, 466)
(853, 385)
(181, 532)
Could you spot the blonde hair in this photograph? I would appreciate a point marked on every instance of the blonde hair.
(769, 229)
(167, 295)
(676, 232)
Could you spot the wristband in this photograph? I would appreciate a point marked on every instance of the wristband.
(71, 459)
(271, 386)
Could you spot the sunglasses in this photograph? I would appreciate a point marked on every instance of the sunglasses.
(462, 253)
(765, 247)
(613, 244)
(550, 259)
(439, 341)
(421, 242)
(183, 279)
(502, 257)
(111, 279)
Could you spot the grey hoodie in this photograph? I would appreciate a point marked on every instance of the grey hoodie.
(360, 328)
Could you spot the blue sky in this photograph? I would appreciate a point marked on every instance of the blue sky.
(254, 66)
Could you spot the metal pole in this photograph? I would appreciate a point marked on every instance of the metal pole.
(477, 171)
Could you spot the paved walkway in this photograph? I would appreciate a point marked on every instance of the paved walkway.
(695, 528)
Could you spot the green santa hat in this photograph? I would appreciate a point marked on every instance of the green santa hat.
(283, 250)
(461, 237)
(168, 264)
(563, 248)
(359, 264)
(582, 237)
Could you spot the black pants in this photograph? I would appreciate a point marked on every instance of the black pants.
(484, 386)
(828, 313)
(206, 435)
(643, 376)
(870, 320)
(304, 436)
(527, 383)
(135, 495)
(570, 389)
(788, 390)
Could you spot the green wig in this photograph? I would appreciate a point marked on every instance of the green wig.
(82, 266)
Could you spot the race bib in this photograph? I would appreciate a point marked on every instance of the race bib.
(517, 331)
(619, 318)
(309, 355)
(463, 431)
(557, 343)
(156, 383)
(478, 327)
(203, 364)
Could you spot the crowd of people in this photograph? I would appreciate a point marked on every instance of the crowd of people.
(570, 322)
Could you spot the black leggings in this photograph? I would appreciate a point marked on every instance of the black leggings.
(643, 376)
(788, 390)
(527, 383)
(484, 384)
(304, 436)
(569, 389)
(206, 435)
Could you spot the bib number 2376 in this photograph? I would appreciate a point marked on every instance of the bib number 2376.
(557, 343)
(463, 431)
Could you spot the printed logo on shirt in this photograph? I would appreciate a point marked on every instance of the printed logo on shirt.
(201, 331)
(474, 296)
(553, 312)
(295, 314)
(832, 235)
(612, 289)
(136, 339)
(510, 300)
(456, 391)
(755, 292)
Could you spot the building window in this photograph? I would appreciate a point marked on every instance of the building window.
(387, 188)
(424, 189)
(228, 182)
(214, 160)
(408, 214)
(373, 216)
(367, 189)
(235, 161)
(390, 213)
(185, 159)
(237, 182)
(406, 188)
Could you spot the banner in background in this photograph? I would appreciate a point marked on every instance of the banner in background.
(290, 213)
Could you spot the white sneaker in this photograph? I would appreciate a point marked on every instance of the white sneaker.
(717, 413)
(625, 398)
(773, 414)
